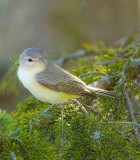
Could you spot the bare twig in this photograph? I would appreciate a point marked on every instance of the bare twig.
(136, 83)
(130, 58)
(135, 66)
(88, 73)
(95, 111)
(23, 148)
(135, 60)
(123, 76)
(131, 112)
(77, 54)
(128, 100)
(13, 155)
(114, 61)
(86, 106)
(105, 83)
(62, 129)
(120, 122)
(80, 105)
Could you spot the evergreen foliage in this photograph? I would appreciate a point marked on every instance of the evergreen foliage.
(99, 129)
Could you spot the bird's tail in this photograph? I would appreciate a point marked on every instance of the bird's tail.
(103, 92)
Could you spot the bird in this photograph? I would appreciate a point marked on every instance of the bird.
(49, 82)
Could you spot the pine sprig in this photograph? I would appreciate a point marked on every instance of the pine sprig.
(105, 130)
(14, 62)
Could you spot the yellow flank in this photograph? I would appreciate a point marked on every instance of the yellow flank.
(40, 92)
(47, 95)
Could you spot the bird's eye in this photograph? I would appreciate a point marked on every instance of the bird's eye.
(30, 60)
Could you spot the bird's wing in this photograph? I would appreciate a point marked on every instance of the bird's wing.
(56, 78)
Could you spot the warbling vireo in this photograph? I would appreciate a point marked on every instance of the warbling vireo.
(49, 82)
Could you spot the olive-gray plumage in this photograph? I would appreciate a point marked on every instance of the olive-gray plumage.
(51, 83)
(58, 79)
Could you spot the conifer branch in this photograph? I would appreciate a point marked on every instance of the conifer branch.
(120, 122)
(79, 53)
(94, 110)
(80, 105)
(123, 78)
(127, 98)
(92, 72)
(24, 149)
(131, 112)
(114, 61)
(104, 83)
(62, 129)
(136, 83)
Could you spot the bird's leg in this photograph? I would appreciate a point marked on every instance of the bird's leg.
(62, 120)
(46, 110)
(61, 105)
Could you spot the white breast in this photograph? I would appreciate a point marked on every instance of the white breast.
(25, 77)
(40, 92)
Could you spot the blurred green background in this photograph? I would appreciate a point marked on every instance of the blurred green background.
(59, 27)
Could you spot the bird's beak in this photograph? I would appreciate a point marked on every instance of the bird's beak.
(41, 59)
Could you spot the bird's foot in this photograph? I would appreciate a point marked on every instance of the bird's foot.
(45, 111)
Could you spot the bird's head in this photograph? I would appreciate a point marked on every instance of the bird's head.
(32, 60)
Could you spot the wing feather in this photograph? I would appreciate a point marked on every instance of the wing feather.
(56, 78)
